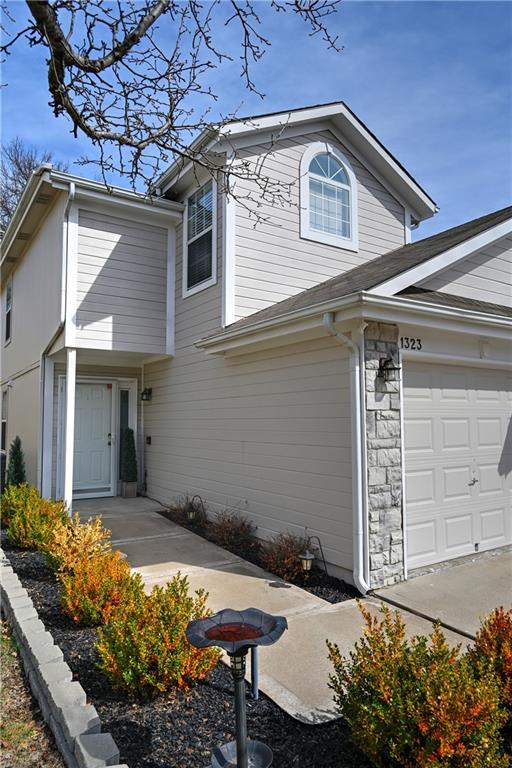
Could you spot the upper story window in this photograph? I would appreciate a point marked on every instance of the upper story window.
(199, 261)
(8, 311)
(328, 197)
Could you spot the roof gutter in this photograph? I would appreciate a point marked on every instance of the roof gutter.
(359, 465)
(362, 301)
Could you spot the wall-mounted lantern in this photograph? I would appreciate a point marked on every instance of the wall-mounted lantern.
(146, 394)
(388, 369)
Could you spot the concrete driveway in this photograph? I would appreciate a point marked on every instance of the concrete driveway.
(295, 671)
(459, 595)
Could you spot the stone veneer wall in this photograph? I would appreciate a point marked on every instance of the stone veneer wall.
(384, 450)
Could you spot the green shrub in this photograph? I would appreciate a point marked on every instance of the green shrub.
(493, 649)
(16, 474)
(143, 649)
(32, 525)
(280, 555)
(233, 531)
(14, 498)
(416, 703)
(72, 541)
(96, 586)
(128, 456)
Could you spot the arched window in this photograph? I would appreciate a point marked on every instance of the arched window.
(328, 191)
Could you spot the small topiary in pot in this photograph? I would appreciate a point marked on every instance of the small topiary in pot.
(128, 464)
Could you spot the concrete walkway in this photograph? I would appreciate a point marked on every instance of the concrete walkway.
(459, 595)
(295, 671)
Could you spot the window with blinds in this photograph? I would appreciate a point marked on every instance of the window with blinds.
(200, 236)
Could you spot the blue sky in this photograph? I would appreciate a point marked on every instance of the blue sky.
(433, 80)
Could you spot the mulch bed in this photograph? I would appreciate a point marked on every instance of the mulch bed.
(178, 730)
(317, 582)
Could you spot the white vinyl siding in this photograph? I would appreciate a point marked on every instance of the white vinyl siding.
(36, 286)
(273, 261)
(121, 284)
(268, 433)
(485, 275)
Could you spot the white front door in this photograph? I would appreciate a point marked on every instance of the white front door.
(92, 469)
(458, 460)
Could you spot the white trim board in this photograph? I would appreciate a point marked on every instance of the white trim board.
(306, 231)
(442, 261)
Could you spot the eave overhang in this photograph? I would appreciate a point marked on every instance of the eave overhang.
(40, 194)
(307, 323)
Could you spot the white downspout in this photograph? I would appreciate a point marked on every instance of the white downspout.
(357, 390)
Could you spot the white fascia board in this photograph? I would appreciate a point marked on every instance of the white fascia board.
(442, 261)
(349, 124)
(172, 211)
(22, 208)
(394, 309)
(363, 305)
(279, 120)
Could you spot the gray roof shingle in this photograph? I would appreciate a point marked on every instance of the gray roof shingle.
(377, 271)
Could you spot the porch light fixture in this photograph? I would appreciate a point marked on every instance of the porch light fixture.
(388, 367)
(306, 557)
(146, 394)
(236, 632)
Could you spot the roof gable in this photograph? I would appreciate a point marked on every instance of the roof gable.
(353, 131)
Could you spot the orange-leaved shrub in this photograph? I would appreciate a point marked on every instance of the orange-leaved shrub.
(143, 649)
(72, 541)
(14, 498)
(493, 648)
(33, 523)
(281, 555)
(96, 586)
(417, 703)
(233, 531)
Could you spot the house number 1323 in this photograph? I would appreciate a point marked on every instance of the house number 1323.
(408, 343)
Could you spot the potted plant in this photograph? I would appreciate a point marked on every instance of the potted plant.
(128, 465)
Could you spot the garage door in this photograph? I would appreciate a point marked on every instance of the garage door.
(458, 460)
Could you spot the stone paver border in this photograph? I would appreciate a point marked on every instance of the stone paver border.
(75, 724)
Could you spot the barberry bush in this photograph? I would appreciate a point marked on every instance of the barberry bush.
(35, 519)
(72, 541)
(233, 531)
(417, 703)
(96, 586)
(493, 649)
(281, 555)
(143, 649)
(14, 498)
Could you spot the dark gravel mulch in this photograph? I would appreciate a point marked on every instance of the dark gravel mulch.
(179, 730)
(317, 582)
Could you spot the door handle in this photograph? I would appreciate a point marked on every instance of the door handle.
(109, 441)
(474, 481)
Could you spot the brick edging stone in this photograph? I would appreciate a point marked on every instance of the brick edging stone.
(75, 724)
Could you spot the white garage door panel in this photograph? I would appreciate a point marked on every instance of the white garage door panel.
(458, 460)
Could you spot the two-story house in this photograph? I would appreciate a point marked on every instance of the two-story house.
(312, 367)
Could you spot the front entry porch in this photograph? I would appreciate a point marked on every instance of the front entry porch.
(91, 403)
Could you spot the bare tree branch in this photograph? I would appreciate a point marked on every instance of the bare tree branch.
(133, 76)
(16, 165)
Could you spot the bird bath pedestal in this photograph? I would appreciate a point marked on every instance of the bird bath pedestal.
(236, 632)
